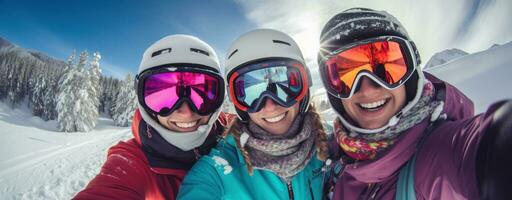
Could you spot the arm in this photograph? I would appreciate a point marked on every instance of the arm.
(119, 178)
(494, 159)
(201, 182)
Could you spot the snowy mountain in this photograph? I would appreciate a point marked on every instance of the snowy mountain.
(6, 46)
(46, 59)
(483, 76)
(4, 43)
(494, 45)
(444, 57)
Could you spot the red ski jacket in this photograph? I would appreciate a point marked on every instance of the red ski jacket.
(132, 171)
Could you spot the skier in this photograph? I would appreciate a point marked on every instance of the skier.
(180, 91)
(402, 133)
(275, 147)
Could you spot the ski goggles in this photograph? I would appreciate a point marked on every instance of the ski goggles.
(285, 81)
(163, 90)
(387, 60)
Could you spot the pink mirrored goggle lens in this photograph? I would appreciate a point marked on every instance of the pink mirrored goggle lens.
(164, 90)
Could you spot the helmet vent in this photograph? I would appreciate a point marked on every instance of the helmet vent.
(156, 53)
(232, 53)
(281, 42)
(200, 51)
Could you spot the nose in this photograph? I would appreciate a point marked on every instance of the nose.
(269, 105)
(367, 87)
(185, 110)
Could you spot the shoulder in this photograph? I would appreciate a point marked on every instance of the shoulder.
(127, 153)
(225, 153)
(127, 159)
(457, 105)
(211, 172)
(125, 174)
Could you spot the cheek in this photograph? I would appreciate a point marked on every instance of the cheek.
(163, 120)
(253, 116)
(294, 111)
(400, 96)
(347, 105)
(205, 119)
(256, 118)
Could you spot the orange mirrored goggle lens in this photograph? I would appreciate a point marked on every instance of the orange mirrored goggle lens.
(383, 59)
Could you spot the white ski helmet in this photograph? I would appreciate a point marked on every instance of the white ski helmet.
(180, 49)
(262, 44)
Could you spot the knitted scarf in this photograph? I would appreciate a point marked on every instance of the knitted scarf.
(286, 154)
(366, 146)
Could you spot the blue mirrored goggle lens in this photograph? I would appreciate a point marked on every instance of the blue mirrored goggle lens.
(282, 82)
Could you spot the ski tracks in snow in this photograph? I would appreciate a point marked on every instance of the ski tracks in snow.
(58, 172)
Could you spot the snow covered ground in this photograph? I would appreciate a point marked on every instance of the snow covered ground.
(37, 162)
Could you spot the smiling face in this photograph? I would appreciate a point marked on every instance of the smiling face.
(274, 118)
(183, 119)
(372, 106)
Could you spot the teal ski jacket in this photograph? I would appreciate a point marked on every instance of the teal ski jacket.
(223, 175)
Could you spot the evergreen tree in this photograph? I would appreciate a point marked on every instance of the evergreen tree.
(95, 88)
(37, 95)
(126, 102)
(112, 90)
(86, 112)
(101, 107)
(66, 97)
(49, 98)
(15, 88)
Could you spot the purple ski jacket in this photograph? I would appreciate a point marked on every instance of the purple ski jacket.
(445, 163)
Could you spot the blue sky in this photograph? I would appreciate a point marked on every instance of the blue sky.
(119, 30)
(122, 30)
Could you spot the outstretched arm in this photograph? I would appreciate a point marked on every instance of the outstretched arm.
(494, 159)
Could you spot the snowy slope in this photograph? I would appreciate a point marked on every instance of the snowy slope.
(485, 77)
(444, 57)
(38, 163)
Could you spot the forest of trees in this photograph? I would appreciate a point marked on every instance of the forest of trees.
(73, 92)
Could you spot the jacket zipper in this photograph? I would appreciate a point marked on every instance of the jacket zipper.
(290, 191)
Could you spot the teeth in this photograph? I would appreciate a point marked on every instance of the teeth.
(275, 119)
(186, 124)
(373, 104)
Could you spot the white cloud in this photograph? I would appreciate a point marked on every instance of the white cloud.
(434, 25)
